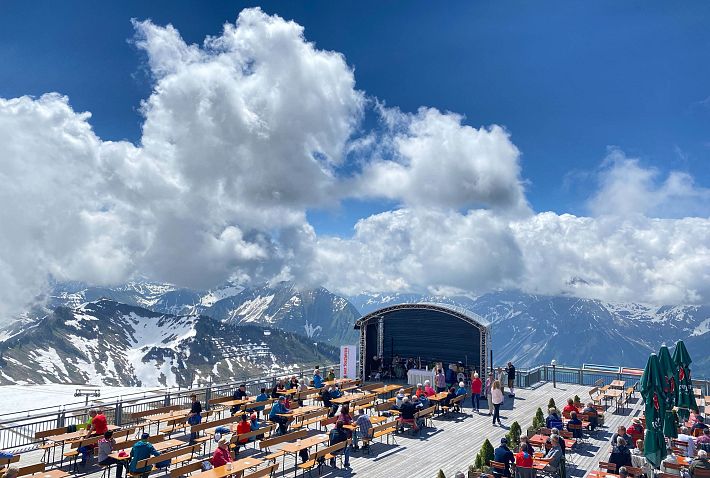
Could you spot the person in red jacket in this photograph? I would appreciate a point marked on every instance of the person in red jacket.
(221, 454)
(569, 408)
(476, 387)
(242, 427)
(523, 459)
(635, 430)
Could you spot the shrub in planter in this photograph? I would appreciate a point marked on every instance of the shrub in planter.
(551, 404)
(514, 435)
(441, 474)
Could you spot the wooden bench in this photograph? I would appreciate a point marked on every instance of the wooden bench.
(263, 431)
(268, 471)
(383, 407)
(73, 453)
(186, 469)
(426, 414)
(269, 442)
(179, 455)
(326, 453)
(309, 419)
(452, 404)
(595, 396)
(31, 469)
(384, 430)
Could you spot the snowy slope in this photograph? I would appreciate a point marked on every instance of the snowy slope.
(105, 342)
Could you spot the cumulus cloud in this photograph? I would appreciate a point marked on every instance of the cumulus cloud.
(431, 159)
(248, 131)
(612, 258)
(626, 187)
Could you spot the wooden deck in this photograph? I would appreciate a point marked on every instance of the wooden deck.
(453, 445)
(454, 442)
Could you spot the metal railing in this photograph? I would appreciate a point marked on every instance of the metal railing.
(18, 429)
(529, 378)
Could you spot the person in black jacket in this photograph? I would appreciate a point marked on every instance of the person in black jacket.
(327, 397)
(510, 371)
(502, 454)
(195, 415)
(239, 394)
(407, 412)
(620, 454)
(337, 435)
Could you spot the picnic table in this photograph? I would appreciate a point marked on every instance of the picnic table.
(56, 473)
(618, 384)
(612, 393)
(292, 448)
(71, 436)
(602, 474)
(163, 417)
(386, 389)
(160, 446)
(437, 398)
(236, 467)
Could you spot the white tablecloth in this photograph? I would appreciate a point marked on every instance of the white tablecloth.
(415, 376)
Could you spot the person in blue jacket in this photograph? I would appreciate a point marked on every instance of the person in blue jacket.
(262, 397)
(502, 454)
(317, 379)
(279, 408)
(140, 451)
(553, 420)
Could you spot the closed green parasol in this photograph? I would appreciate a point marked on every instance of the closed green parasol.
(685, 398)
(669, 380)
(652, 391)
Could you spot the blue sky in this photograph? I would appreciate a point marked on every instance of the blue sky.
(223, 162)
(567, 79)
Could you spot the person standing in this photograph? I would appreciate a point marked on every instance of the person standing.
(476, 386)
(440, 381)
(195, 416)
(489, 386)
(510, 371)
(497, 399)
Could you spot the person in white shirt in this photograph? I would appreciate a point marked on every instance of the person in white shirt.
(686, 437)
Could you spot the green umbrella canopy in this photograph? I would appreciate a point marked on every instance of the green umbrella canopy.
(652, 392)
(669, 381)
(685, 400)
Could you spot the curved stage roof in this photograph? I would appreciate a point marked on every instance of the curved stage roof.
(454, 310)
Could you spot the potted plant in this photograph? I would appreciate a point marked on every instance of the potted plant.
(537, 422)
(440, 474)
(551, 404)
(514, 436)
(577, 401)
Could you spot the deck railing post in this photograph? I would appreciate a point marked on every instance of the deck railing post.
(166, 400)
(118, 412)
(208, 396)
(580, 380)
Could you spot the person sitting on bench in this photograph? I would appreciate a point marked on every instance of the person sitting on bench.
(407, 412)
(279, 408)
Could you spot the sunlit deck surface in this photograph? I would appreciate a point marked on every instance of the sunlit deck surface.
(454, 442)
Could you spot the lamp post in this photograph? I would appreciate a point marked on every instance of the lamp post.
(554, 377)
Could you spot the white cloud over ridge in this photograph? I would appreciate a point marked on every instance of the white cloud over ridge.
(247, 132)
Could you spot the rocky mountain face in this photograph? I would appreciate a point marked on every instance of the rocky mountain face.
(107, 342)
(532, 329)
(315, 313)
(168, 336)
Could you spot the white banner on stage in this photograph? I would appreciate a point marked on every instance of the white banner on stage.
(348, 361)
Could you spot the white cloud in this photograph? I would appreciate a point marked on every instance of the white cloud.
(432, 159)
(246, 132)
(618, 259)
(626, 187)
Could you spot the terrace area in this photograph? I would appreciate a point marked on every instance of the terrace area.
(450, 441)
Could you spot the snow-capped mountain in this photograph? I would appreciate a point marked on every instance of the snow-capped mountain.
(533, 329)
(314, 313)
(106, 342)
